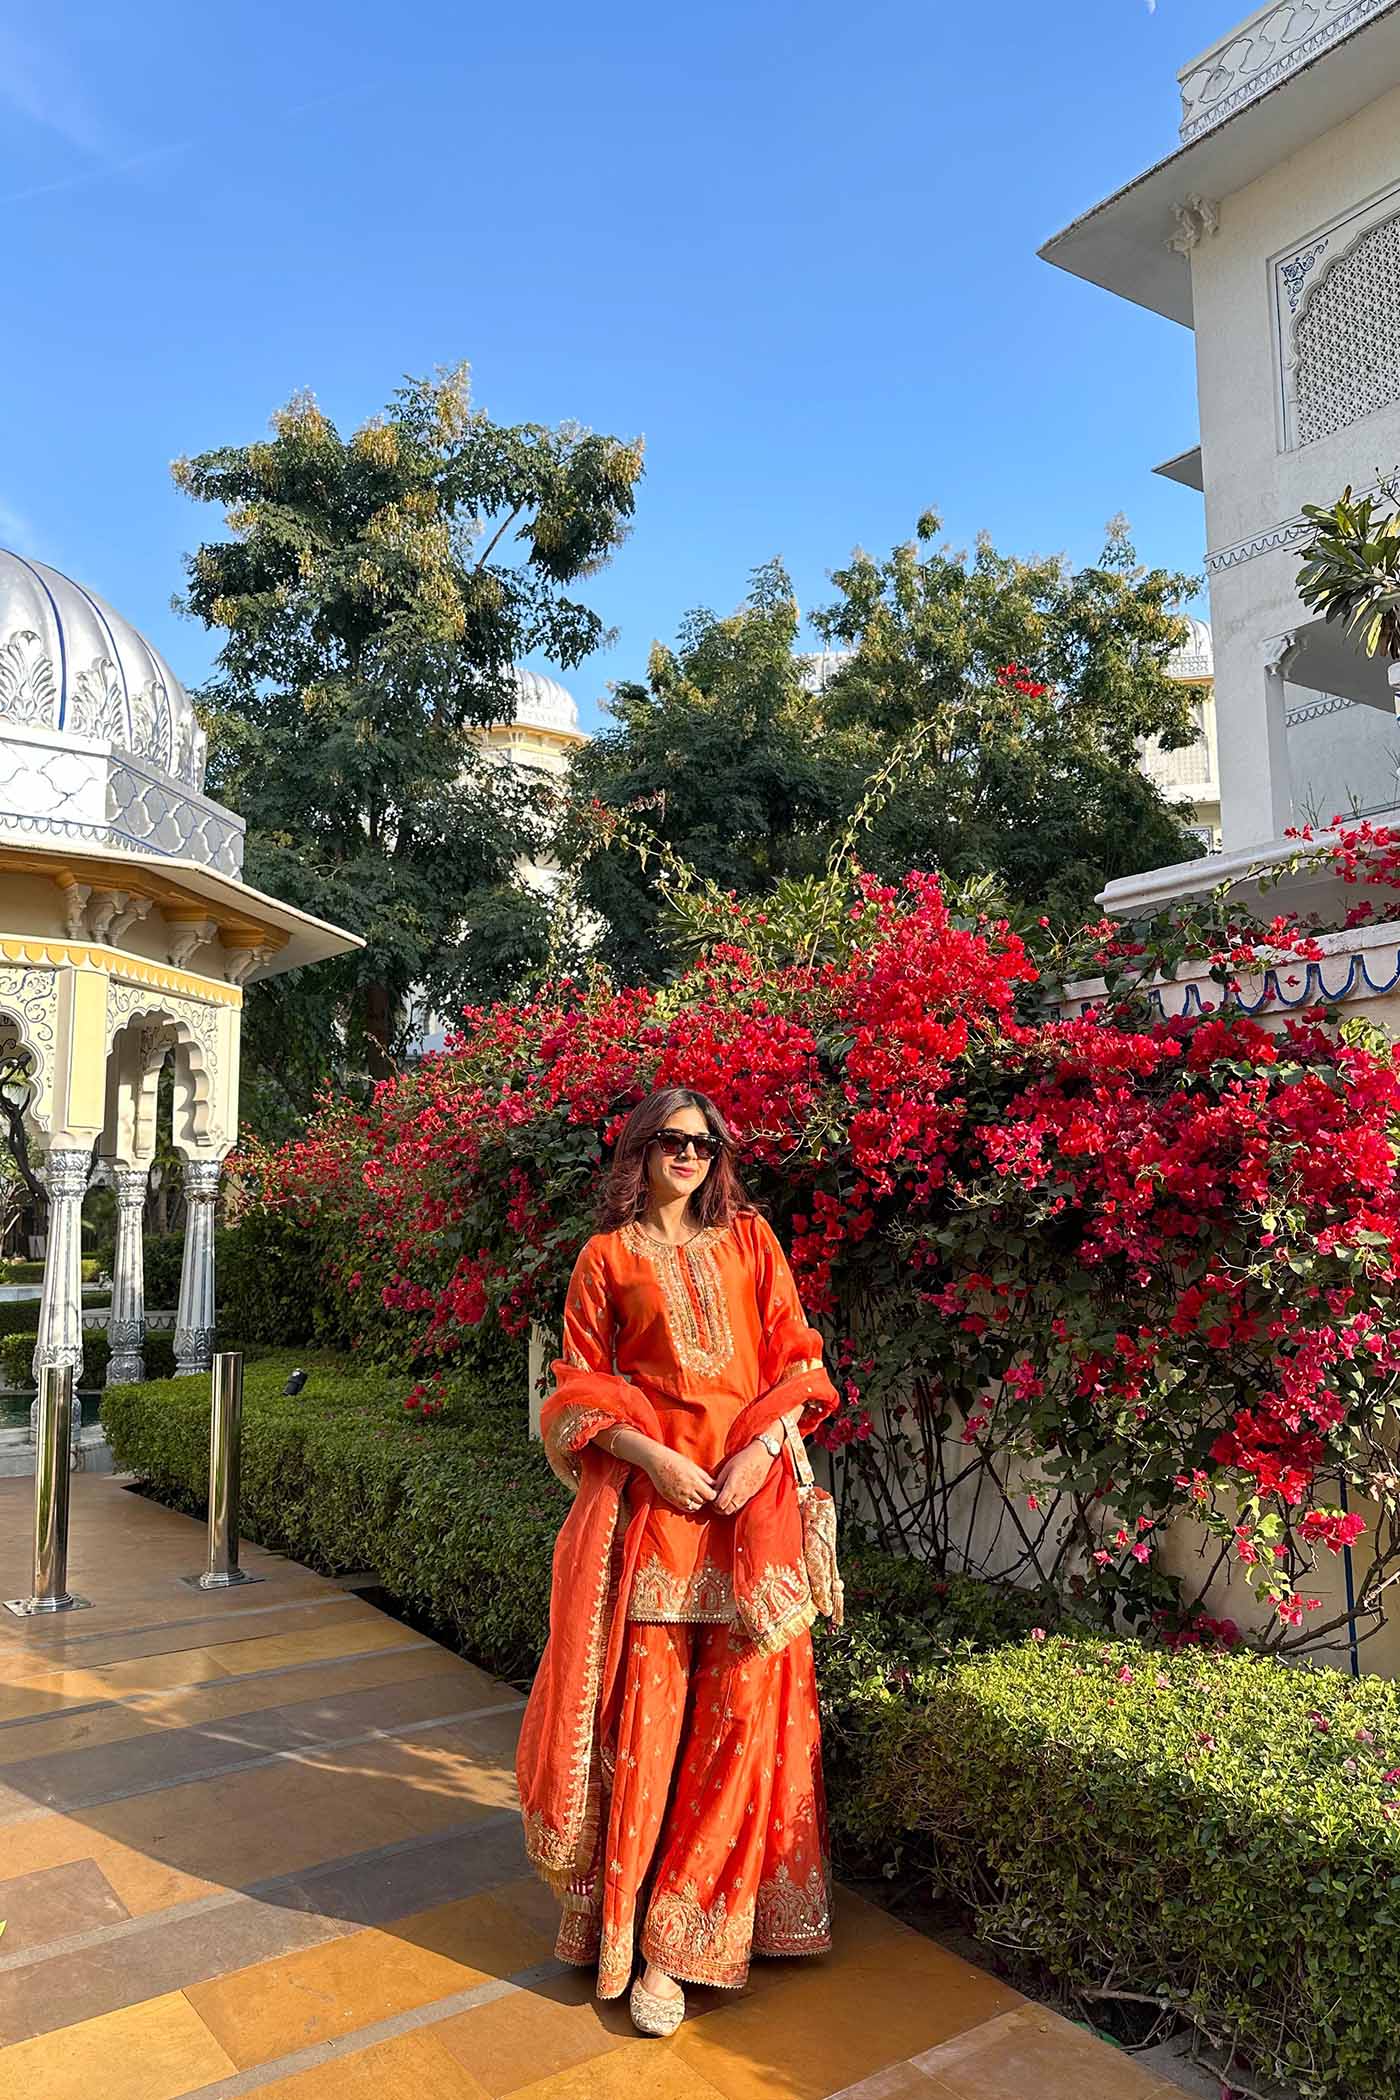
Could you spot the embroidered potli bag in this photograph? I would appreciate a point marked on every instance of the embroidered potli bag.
(818, 1532)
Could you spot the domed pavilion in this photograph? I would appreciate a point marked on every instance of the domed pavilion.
(127, 936)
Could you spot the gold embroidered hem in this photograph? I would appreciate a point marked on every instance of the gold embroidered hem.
(779, 1609)
(693, 1294)
(661, 1596)
(696, 1945)
(793, 1917)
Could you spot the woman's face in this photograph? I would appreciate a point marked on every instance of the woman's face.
(669, 1178)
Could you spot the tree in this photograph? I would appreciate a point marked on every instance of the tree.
(1037, 687)
(375, 594)
(1033, 688)
(723, 740)
(1351, 567)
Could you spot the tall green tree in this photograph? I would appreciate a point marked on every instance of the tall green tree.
(374, 594)
(1035, 687)
(1038, 687)
(722, 742)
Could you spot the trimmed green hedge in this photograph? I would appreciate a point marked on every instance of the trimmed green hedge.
(456, 1518)
(1216, 1832)
(1213, 1831)
(17, 1354)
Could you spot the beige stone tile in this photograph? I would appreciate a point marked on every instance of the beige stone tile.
(533, 2034)
(189, 1708)
(897, 2082)
(347, 1636)
(333, 1990)
(79, 1731)
(411, 2067)
(1033, 2051)
(280, 1818)
(155, 2051)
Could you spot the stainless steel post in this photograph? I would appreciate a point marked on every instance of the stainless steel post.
(225, 1457)
(53, 1459)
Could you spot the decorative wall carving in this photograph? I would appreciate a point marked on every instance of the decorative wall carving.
(29, 998)
(52, 789)
(1195, 217)
(1254, 59)
(28, 691)
(1346, 338)
(1336, 299)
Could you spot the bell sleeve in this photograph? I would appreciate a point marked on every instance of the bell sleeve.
(790, 1345)
(572, 1416)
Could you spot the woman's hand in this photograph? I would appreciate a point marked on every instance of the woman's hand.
(678, 1480)
(740, 1477)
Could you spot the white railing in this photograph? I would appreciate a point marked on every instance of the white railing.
(1259, 54)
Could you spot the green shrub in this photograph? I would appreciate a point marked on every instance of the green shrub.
(17, 1352)
(1213, 1831)
(457, 1519)
(162, 1253)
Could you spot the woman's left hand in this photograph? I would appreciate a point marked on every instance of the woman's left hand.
(739, 1477)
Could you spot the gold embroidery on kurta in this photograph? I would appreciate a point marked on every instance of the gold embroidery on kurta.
(567, 1434)
(660, 1596)
(697, 1313)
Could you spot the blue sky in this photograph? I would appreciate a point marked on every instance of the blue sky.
(790, 242)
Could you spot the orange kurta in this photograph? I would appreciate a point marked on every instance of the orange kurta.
(670, 1766)
(694, 1328)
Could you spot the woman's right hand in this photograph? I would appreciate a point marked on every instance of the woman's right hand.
(679, 1480)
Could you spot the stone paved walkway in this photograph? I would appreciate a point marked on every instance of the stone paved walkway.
(264, 1843)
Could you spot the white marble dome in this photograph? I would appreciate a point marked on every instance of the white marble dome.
(542, 703)
(68, 663)
(1196, 657)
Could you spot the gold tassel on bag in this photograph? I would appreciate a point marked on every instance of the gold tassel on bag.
(818, 1531)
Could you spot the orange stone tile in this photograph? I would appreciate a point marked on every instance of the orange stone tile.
(643, 2069)
(155, 2051)
(411, 2067)
(1034, 2051)
(325, 1992)
(142, 1882)
(533, 2034)
(834, 2019)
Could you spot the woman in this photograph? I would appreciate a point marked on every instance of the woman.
(670, 1758)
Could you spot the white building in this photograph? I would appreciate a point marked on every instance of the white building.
(540, 737)
(1273, 231)
(1190, 776)
(127, 936)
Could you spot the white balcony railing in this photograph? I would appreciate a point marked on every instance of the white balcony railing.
(1259, 54)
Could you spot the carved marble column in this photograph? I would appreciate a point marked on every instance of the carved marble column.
(126, 1324)
(60, 1338)
(194, 1318)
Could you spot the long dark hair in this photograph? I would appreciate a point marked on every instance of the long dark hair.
(720, 1196)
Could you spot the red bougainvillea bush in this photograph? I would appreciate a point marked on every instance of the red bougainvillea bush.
(1078, 1277)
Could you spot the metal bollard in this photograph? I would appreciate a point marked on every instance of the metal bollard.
(53, 1459)
(225, 1452)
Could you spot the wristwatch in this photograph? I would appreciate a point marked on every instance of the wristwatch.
(771, 1440)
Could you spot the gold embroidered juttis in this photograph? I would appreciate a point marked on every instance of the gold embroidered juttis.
(669, 1764)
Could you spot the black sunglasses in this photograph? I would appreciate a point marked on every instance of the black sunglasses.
(674, 1142)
